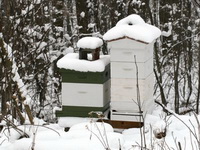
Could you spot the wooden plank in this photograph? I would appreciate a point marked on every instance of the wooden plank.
(78, 111)
(122, 124)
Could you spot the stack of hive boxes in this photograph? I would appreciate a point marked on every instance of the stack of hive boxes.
(85, 84)
(126, 98)
(131, 50)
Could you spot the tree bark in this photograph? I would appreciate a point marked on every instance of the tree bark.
(82, 15)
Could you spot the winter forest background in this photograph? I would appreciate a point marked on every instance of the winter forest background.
(34, 34)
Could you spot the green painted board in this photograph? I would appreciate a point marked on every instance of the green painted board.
(73, 76)
(78, 111)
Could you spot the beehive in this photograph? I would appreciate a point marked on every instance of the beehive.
(131, 44)
(85, 81)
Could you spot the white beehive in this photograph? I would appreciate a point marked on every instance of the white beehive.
(131, 42)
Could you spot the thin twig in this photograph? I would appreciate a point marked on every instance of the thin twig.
(97, 138)
(191, 141)
(174, 140)
(34, 137)
(106, 144)
(172, 113)
(198, 124)
(22, 133)
(2, 141)
(142, 133)
(43, 127)
(179, 146)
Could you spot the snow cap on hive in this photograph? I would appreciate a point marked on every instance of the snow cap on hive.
(90, 42)
(72, 62)
(133, 27)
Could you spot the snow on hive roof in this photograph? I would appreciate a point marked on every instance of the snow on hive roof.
(71, 61)
(131, 19)
(90, 42)
(133, 27)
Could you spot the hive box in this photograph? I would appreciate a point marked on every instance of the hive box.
(73, 76)
(86, 95)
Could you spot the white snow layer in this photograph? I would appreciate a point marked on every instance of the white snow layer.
(71, 61)
(90, 135)
(90, 42)
(70, 121)
(133, 27)
(131, 19)
(84, 136)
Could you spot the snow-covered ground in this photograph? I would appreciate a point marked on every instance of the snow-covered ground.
(182, 132)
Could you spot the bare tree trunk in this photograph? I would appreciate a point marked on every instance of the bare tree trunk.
(149, 11)
(198, 91)
(157, 47)
(82, 15)
(6, 87)
(176, 83)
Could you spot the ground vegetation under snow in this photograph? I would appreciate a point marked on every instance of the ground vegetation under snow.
(160, 132)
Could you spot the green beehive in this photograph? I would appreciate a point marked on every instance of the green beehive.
(85, 83)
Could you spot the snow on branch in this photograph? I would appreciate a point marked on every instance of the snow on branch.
(22, 90)
(169, 32)
(16, 78)
(196, 3)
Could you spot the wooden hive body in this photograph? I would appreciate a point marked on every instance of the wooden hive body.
(125, 54)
